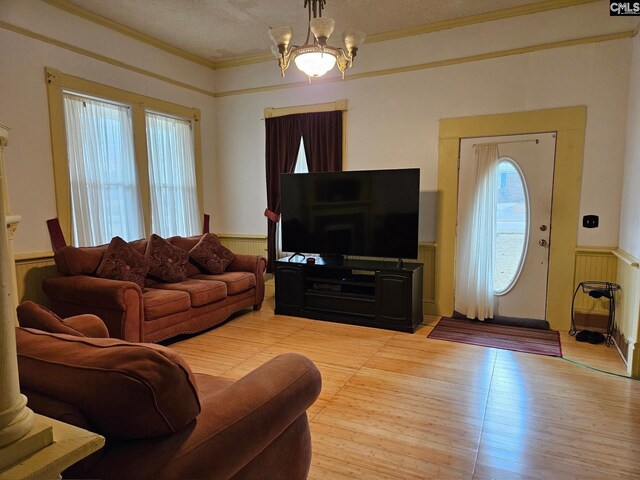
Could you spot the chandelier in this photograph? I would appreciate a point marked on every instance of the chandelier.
(316, 58)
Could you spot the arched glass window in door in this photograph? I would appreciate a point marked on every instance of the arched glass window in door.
(512, 231)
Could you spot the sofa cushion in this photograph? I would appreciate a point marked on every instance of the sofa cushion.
(186, 244)
(210, 255)
(78, 260)
(236, 282)
(72, 260)
(124, 390)
(160, 303)
(121, 261)
(32, 315)
(167, 262)
(202, 292)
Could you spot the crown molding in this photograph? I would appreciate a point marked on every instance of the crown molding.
(102, 58)
(478, 18)
(69, 7)
(529, 9)
(436, 64)
(325, 80)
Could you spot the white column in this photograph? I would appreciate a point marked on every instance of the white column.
(16, 419)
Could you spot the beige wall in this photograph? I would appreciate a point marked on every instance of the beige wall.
(392, 121)
(630, 211)
(396, 94)
(629, 245)
(392, 118)
(34, 35)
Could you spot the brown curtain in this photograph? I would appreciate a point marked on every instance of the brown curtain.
(322, 133)
(283, 143)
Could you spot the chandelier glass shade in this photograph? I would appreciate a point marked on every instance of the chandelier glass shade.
(315, 58)
(315, 62)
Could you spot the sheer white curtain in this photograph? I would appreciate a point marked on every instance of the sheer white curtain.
(475, 295)
(172, 176)
(105, 199)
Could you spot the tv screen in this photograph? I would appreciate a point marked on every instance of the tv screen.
(370, 213)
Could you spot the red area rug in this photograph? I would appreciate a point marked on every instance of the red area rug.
(519, 339)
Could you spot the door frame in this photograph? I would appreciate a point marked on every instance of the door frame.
(569, 124)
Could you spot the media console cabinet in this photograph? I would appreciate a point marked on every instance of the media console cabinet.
(361, 292)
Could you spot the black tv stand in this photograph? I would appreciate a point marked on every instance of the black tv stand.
(332, 259)
(372, 293)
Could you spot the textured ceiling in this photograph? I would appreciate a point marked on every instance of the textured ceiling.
(227, 29)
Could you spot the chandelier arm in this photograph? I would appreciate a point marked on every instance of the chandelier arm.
(285, 60)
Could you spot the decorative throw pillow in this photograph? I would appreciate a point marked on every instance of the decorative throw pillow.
(32, 315)
(210, 255)
(122, 262)
(167, 262)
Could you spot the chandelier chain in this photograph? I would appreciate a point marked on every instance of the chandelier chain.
(316, 6)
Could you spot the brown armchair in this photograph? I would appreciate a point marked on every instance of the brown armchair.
(159, 419)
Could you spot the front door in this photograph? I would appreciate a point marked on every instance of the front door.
(524, 195)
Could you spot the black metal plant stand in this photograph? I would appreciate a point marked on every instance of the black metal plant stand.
(598, 290)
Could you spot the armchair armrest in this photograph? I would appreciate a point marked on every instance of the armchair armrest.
(88, 324)
(118, 303)
(241, 420)
(255, 264)
(236, 424)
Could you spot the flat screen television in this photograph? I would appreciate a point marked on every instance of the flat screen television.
(371, 213)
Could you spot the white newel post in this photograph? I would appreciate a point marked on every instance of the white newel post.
(16, 419)
(31, 446)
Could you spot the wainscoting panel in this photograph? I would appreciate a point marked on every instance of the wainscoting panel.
(594, 264)
(31, 269)
(245, 244)
(628, 311)
(427, 256)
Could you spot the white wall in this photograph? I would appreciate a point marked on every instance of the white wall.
(630, 211)
(23, 100)
(392, 121)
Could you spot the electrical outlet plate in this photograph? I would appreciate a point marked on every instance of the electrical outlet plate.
(590, 221)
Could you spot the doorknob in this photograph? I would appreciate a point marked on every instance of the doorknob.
(543, 243)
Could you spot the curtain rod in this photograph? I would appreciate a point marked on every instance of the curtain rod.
(537, 140)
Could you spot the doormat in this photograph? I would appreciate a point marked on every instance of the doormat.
(518, 339)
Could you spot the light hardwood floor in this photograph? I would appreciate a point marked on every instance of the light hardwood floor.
(401, 406)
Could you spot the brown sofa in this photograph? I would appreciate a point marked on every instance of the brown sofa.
(155, 310)
(160, 420)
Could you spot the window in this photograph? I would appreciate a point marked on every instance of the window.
(172, 176)
(124, 164)
(105, 196)
(512, 225)
(301, 161)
